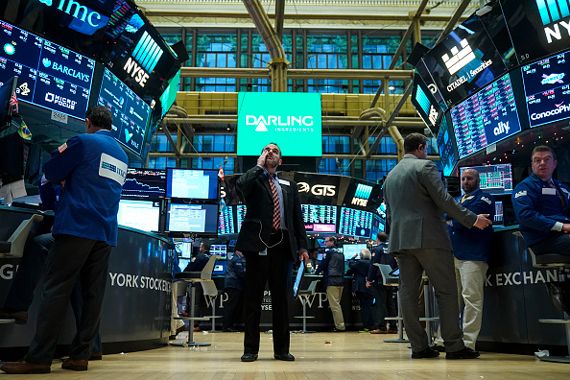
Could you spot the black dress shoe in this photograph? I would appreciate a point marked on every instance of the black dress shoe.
(247, 357)
(428, 353)
(438, 348)
(465, 353)
(285, 357)
(25, 367)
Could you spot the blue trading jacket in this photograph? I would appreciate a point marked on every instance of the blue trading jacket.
(538, 207)
(472, 243)
(93, 167)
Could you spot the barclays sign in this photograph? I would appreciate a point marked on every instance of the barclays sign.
(76, 10)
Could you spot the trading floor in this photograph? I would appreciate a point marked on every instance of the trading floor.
(330, 356)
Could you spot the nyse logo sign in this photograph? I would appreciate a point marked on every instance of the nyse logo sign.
(319, 190)
(77, 11)
(433, 115)
(552, 13)
(144, 59)
(361, 195)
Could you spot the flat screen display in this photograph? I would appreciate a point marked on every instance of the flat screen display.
(447, 147)
(499, 217)
(142, 215)
(377, 226)
(360, 194)
(192, 218)
(547, 89)
(464, 61)
(241, 211)
(219, 250)
(192, 184)
(352, 250)
(319, 218)
(143, 184)
(50, 75)
(226, 222)
(494, 179)
(538, 28)
(486, 117)
(268, 116)
(355, 222)
(220, 268)
(130, 112)
(425, 103)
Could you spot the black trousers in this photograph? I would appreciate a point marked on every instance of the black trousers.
(274, 269)
(559, 244)
(233, 308)
(70, 259)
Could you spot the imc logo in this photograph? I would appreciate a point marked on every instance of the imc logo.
(144, 59)
(77, 11)
(460, 57)
(552, 13)
(361, 195)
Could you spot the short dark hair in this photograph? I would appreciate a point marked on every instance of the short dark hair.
(100, 117)
(413, 141)
(331, 238)
(382, 237)
(272, 143)
(543, 148)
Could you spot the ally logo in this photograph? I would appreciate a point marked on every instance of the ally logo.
(552, 13)
(128, 135)
(460, 57)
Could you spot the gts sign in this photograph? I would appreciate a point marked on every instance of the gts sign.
(319, 190)
(76, 10)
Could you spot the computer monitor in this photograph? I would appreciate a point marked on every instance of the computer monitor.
(220, 250)
(495, 179)
(192, 184)
(192, 218)
(498, 212)
(142, 215)
(144, 184)
(6, 91)
(350, 250)
(183, 263)
(355, 222)
(220, 268)
(183, 248)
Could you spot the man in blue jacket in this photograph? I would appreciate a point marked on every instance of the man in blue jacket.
(91, 168)
(471, 248)
(542, 206)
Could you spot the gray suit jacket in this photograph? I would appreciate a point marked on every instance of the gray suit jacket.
(416, 201)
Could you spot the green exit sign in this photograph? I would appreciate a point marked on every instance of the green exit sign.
(290, 119)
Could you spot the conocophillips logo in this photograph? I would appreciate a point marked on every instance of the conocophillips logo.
(280, 123)
(361, 195)
(551, 13)
(459, 57)
(560, 108)
(319, 190)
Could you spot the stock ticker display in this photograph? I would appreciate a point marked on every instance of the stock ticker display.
(226, 224)
(355, 222)
(547, 89)
(319, 218)
(144, 184)
(486, 117)
(241, 210)
(130, 112)
(49, 75)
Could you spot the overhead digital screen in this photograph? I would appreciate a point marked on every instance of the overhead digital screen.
(538, 28)
(464, 61)
(226, 222)
(268, 116)
(425, 103)
(144, 184)
(192, 184)
(486, 117)
(319, 218)
(355, 222)
(49, 75)
(142, 215)
(547, 89)
(495, 179)
(130, 112)
(446, 147)
(192, 218)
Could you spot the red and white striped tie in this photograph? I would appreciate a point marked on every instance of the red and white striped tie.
(276, 210)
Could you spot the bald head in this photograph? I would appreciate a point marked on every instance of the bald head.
(470, 180)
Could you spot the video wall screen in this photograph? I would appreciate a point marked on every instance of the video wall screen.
(130, 113)
(319, 218)
(538, 28)
(547, 89)
(464, 61)
(50, 75)
(192, 184)
(192, 218)
(355, 222)
(447, 147)
(226, 222)
(495, 179)
(486, 117)
(142, 215)
(144, 184)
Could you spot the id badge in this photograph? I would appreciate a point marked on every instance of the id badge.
(263, 252)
